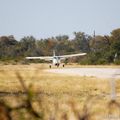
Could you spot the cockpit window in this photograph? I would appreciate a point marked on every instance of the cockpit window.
(56, 57)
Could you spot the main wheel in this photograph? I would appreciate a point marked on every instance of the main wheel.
(50, 66)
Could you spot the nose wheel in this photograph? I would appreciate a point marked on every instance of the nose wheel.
(57, 65)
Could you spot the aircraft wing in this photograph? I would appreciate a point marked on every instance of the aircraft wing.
(47, 58)
(73, 55)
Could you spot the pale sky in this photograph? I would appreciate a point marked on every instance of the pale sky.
(47, 18)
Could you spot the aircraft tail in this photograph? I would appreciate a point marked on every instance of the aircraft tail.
(53, 52)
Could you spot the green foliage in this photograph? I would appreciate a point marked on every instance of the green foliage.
(82, 41)
(99, 49)
(117, 62)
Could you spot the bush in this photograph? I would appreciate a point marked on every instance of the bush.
(102, 61)
(117, 62)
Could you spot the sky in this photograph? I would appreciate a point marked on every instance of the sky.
(47, 18)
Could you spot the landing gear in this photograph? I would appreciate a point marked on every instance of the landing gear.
(57, 65)
(50, 66)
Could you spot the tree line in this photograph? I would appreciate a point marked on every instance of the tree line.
(100, 49)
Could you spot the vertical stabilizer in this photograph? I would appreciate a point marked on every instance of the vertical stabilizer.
(53, 52)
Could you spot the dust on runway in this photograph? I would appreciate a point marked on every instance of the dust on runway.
(91, 72)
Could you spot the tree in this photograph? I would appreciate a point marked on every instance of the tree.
(115, 35)
(81, 41)
(28, 45)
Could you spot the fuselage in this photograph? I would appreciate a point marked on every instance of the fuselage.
(56, 60)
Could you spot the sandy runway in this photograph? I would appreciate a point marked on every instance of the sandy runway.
(92, 72)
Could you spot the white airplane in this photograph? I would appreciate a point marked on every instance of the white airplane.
(56, 60)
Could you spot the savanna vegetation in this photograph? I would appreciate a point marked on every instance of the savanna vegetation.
(29, 92)
(100, 49)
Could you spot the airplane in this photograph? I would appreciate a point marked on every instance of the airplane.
(56, 60)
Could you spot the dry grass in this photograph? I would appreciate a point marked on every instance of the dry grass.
(54, 85)
(64, 96)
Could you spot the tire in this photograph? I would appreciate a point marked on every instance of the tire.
(57, 65)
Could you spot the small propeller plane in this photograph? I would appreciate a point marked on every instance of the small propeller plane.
(56, 60)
